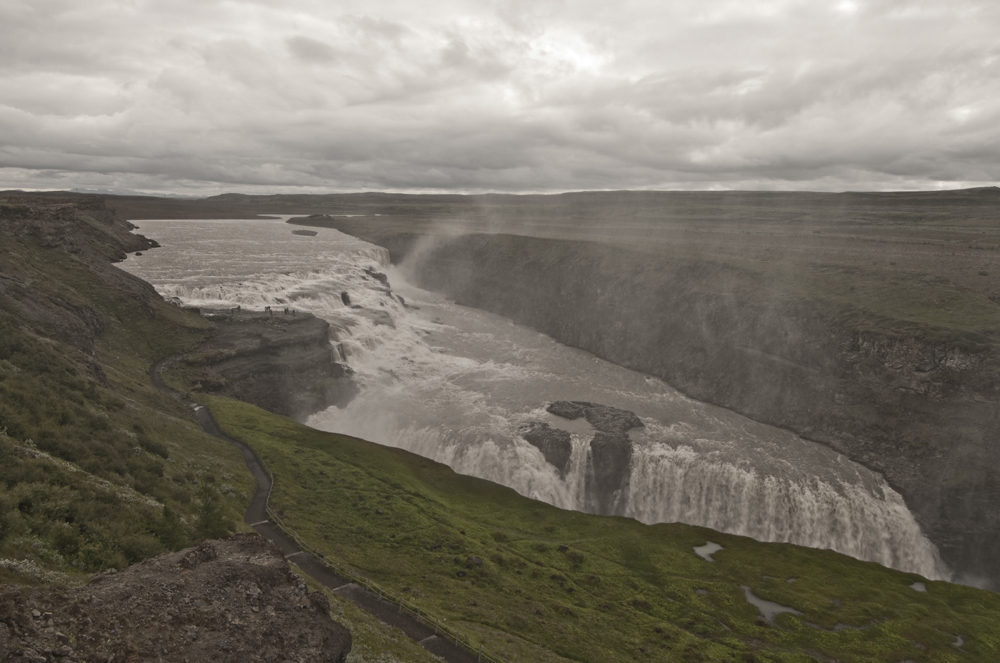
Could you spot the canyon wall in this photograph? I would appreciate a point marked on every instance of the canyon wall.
(916, 404)
(281, 362)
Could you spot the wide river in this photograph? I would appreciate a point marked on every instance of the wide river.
(457, 385)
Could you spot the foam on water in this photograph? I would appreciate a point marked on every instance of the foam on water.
(457, 384)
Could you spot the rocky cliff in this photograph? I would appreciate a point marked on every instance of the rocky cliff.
(93, 236)
(279, 361)
(915, 402)
(233, 599)
(610, 459)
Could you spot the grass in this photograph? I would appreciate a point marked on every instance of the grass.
(372, 641)
(98, 470)
(887, 300)
(555, 585)
(900, 300)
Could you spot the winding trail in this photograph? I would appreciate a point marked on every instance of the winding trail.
(256, 516)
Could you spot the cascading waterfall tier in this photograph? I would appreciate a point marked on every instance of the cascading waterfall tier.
(465, 387)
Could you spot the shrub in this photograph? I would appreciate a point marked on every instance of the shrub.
(152, 446)
(212, 522)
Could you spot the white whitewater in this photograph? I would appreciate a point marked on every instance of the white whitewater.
(456, 384)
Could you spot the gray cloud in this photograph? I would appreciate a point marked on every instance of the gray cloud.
(509, 95)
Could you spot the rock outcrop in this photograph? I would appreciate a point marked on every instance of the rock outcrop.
(234, 600)
(609, 462)
(71, 224)
(282, 362)
(555, 444)
(94, 235)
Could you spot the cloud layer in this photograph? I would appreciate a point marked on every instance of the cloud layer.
(510, 95)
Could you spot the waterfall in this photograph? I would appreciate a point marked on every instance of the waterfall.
(867, 522)
(458, 386)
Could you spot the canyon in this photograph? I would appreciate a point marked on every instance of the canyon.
(897, 369)
(891, 365)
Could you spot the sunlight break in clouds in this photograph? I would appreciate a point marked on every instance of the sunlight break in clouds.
(509, 95)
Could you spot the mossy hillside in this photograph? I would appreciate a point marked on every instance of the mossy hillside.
(556, 585)
(98, 469)
(372, 640)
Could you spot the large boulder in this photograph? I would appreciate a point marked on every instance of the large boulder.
(602, 417)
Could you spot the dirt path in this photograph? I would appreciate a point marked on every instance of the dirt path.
(256, 516)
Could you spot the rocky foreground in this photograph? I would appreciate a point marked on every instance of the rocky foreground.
(234, 599)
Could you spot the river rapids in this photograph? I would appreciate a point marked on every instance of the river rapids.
(459, 385)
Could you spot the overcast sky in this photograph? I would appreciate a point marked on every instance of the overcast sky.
(201, 97)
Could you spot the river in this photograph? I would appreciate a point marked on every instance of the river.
(459, 385)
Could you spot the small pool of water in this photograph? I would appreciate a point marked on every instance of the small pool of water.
(706, 551)
(768, 609)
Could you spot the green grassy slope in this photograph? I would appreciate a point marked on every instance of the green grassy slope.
(97, 469)
(565, 586)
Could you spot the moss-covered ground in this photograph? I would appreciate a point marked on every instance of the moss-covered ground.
(536, 583)
(372, 641)
(98, 470)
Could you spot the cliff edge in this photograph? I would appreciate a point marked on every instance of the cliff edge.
(280, 361)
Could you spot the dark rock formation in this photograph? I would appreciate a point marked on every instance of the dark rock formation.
(305, 233)
(231, 600)
(608, 474)
(378, 276)
(610, 460)
(566, 409)
(283, 363)
(604, 418)
(555, 444)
